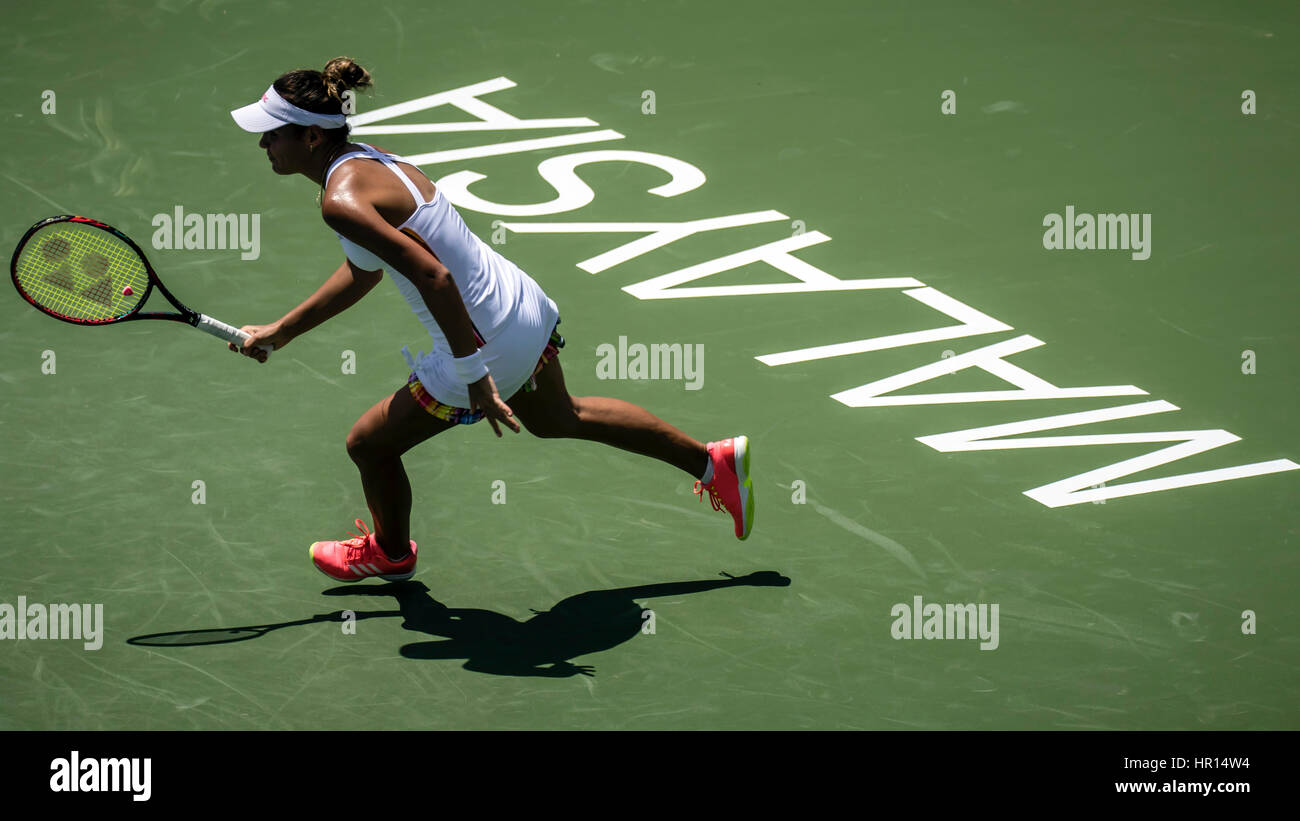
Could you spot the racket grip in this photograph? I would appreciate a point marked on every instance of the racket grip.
(229, 333)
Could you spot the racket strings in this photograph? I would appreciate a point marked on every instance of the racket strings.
(80, 272)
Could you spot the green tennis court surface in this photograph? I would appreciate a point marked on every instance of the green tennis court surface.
(146, 469)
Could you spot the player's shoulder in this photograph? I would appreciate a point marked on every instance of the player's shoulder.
(342, 208)
(351, 183)
(345, 176)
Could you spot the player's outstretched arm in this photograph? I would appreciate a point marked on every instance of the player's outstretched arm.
(338, 293)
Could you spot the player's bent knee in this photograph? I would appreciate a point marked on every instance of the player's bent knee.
(355, 443)
(362, 446)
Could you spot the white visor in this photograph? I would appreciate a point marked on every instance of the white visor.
(273, 111)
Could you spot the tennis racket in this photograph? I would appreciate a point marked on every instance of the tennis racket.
(85, 272)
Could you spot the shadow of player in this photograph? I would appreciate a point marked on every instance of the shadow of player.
(492, 642)
(580, 625)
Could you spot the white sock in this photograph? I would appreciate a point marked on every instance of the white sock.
(708, 472)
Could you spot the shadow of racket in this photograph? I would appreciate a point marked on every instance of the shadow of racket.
(228, 635)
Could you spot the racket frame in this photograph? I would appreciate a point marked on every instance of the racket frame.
(187, 315)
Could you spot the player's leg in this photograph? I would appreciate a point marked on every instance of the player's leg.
(722, 468)
(376, 444)
(550, 412)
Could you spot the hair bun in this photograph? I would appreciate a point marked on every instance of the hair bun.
(342, 74)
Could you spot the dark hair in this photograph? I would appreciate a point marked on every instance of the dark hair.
(321, 92)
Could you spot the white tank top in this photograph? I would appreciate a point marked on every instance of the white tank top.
(492, 287)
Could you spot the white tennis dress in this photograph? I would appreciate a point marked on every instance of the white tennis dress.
(507, 307)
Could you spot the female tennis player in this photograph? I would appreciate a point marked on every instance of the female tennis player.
(495, 331)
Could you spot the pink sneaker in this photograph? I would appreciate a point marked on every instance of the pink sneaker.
(359, 558)
(731, 488)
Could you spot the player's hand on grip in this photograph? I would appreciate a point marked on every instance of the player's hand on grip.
(260, 337)
(483, 395)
